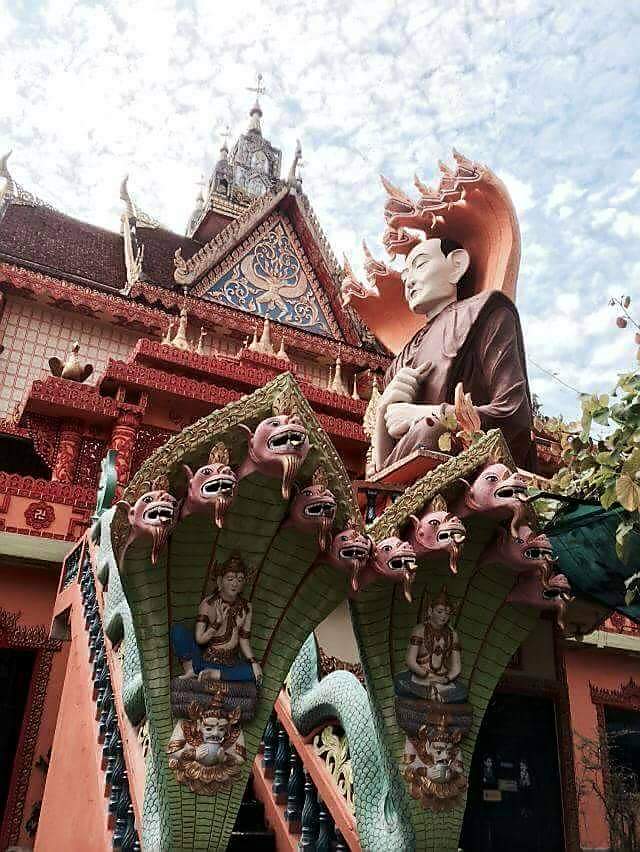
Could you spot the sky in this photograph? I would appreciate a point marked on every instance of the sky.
(546, 93)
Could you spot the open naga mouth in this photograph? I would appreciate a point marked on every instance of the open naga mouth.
(508, 492)
(452, 535)
(158, 515)
(321, 509)
(221, 486)
(292, 440)
(403, 563)
(354, 551)
(536, 553)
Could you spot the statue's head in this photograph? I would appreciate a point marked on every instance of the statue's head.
(439, 609)
(230, 578)
(433, 271)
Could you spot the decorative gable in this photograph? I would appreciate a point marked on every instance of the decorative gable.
(269, 275)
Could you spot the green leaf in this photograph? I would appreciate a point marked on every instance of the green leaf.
(623, 540)
(609, 496)
(628, 493)
(632, 464)
(608, 459)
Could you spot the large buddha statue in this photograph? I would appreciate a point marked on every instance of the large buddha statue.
(476, 341)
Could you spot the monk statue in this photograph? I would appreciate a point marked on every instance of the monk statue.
(219, 647)
(476, 341)
(433, 658)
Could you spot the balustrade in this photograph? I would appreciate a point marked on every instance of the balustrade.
(308, 808)
(120, 807)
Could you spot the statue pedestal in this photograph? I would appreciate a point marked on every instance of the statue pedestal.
(241, 694)
(413, 713)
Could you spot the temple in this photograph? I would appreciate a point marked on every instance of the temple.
(271, 572)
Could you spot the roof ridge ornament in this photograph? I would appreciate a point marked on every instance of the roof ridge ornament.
(14, 193)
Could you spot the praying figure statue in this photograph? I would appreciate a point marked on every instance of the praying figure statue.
(476, 341)
(219, 647)
(433, 658)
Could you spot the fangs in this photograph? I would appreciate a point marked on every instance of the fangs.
(319, 510)
(509, 491)
(402, 563)
(159, 514)
(354, 552)
(217, 486)
(287, 440)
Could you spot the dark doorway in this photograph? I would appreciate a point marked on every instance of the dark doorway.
(514, 800)
(16, 668)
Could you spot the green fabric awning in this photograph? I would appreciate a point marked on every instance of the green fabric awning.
(584, 540)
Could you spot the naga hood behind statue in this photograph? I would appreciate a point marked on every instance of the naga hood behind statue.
(471, 206)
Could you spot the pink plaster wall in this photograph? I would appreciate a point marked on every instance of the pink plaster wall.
(31, 333)
(74, 808)
(606, 670)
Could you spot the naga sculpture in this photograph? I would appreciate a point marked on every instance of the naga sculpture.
(314, 509)
(277, 448)
(530, 557)
(496, 492)
(438, 531)
(212, 487)
(153, 514)
(350, 552)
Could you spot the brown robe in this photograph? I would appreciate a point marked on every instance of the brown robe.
(476, 341)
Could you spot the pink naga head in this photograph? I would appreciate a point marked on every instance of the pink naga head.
(498, 492)
(314, 509)
(395, 560)
(350, 552)
(278, 447)
(212, 487)
(153, 514)
(438, 531)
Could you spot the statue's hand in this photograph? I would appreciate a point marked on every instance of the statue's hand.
(257, 672)
(401, 416)
(403, 387)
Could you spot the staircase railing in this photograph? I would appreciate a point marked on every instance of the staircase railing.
(121, 820)
(304, 805)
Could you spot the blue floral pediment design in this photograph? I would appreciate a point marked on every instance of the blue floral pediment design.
(272, 279)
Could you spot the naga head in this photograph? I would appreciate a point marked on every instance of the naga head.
(314, 509)
(500, 492)
(153, 514)
(396, 560)
(278, 447)
(212, 487)
(350, 552)
(438, 531)
(528, 551)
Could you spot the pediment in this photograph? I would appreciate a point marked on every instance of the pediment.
(269, 276)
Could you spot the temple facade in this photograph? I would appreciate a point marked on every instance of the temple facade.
(222, 623)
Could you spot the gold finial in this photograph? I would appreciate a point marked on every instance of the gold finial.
(320, 477)
(219, 454)
(355, 394)
(200, 347)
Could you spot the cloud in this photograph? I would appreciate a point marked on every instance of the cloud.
(544, 94)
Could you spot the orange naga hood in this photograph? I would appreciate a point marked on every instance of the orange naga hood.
(471, 206)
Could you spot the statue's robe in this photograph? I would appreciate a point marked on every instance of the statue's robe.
(476, 341)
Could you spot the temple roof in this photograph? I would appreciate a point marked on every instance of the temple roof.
(44, 239)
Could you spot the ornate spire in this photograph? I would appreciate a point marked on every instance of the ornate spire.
(256, 111)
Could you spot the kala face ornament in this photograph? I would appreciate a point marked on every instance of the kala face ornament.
(212, 487)
(153, 514)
